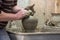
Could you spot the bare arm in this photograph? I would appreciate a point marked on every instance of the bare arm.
(9, 16)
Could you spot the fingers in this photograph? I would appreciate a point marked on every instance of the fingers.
(21, 12)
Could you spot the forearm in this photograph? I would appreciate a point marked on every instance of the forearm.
(8, 16)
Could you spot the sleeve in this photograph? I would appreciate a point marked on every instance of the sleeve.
(7, 5)
(0, 6)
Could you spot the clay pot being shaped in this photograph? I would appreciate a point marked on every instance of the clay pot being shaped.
(30, 22)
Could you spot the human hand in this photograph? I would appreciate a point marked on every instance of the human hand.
(16, 9)
(22, 13)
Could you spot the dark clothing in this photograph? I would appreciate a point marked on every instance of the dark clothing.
(4, 35)
(6, 6)
(3, 24)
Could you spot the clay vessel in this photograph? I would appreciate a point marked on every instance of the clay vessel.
(30, 22)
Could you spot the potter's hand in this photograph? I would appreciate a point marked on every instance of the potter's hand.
(28, 10)
(16, 9)
(22, 14)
